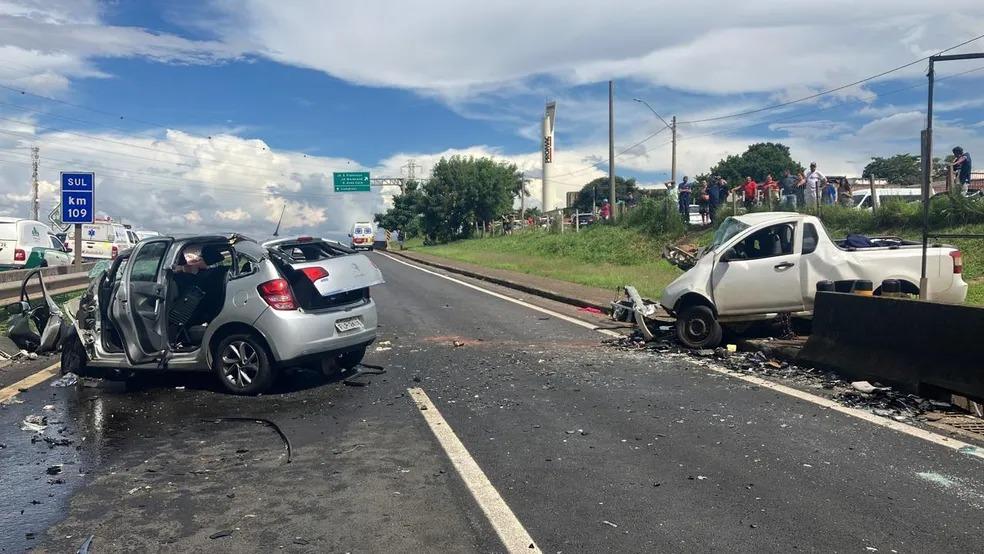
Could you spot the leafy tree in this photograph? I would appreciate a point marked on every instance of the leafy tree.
(464, 191)
(406, 211)
(940, 167)
(596, 191)
(758, 161)
(900, 169)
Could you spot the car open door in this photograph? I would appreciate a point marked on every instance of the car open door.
(137, 309)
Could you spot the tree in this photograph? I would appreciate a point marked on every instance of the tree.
(941, 167)
(594, 192)
(900, 169)
(464, 191)
(758, 161)
(406, 211)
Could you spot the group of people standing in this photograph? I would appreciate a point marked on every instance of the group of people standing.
(790, 192)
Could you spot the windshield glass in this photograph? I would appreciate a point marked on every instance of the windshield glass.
(729, 228)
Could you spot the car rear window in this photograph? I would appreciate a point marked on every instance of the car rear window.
(309, 251)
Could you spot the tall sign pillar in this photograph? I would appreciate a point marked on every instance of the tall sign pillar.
(548, 152)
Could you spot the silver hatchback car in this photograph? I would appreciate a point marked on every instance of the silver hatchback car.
(229, 305)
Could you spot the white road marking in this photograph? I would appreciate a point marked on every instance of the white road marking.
(29, 381)
(941, 440)
(566, 318)
(512, 533)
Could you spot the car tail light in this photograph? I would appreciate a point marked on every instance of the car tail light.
(277, 294)
(957, 261)
(116, 251)
(314, 273)
(20, 255)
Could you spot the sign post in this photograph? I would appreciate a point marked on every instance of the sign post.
(351, 181)
(78, 204)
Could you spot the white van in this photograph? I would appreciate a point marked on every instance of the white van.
(862, 198)
(20, 239)
(104, 240)
(362, 235)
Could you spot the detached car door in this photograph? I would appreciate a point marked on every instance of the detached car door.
(757, 274)
(137, 309)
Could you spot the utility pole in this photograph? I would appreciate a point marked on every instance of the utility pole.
(549, 117)
(673, 159)
(35, 162)
(522, 199)
(611, 148)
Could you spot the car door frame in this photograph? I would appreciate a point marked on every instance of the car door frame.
(128, 309)
(783, 264)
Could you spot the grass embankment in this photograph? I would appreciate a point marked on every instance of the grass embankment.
(600, 256)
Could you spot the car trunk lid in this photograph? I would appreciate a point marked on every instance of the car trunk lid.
(323, 275)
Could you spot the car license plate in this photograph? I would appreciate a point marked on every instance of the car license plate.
(349, 324)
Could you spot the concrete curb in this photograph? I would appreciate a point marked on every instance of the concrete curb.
(552, 295)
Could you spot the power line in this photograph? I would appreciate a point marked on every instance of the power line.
(829, 91)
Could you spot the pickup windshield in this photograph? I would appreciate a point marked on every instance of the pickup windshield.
(729, 228)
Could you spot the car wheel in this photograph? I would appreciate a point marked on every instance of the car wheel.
(352, 358)
(242, 364)
(698, 328)
(73, 356)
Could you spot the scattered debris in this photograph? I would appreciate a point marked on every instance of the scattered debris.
(54, 470)
(34, 423)
(220, 534)
(68, 380)
(867, 387)
(300, 541)
(84, 549)
(262, 421)
(457, 343)
(590, 310)
(610, 524)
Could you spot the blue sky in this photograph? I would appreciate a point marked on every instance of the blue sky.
(232, 109)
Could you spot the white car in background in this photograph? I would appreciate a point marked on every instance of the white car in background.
(22, 238)
(104, 240)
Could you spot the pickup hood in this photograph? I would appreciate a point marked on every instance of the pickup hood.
(345, 273)
(696, 280)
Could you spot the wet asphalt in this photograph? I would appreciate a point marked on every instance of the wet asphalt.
(593, 449)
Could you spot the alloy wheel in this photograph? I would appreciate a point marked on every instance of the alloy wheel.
(240, 363)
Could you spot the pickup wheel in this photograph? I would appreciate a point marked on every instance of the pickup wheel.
(242, 364)
(698, 328)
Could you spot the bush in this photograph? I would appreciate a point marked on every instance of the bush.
(655, 218)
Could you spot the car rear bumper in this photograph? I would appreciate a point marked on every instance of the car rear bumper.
(298, 334)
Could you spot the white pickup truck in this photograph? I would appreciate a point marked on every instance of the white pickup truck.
(763, 264)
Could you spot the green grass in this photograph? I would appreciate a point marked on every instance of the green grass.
(601, 256)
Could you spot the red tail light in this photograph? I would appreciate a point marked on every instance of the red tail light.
(277, 294)
(116, 251)
(20, 255)
(314, 273)
(957, 261)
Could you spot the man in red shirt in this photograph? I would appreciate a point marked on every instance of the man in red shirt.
(750, 188)
(770, 191)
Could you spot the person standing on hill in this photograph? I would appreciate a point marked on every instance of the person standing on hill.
(770, 191)
(814, 180)
(749, 191)
(962, 165)
(703, 202)
(790, 189)
(713, 196)
(684, 190)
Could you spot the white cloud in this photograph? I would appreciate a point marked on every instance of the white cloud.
(238, 214)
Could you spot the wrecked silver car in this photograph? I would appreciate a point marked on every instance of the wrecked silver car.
(229, 305)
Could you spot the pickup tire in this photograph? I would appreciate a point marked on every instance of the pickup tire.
(242, 364)
(697, 327)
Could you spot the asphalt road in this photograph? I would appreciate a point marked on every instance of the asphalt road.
(592, 449)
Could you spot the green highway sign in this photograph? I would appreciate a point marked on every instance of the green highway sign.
(351, 181)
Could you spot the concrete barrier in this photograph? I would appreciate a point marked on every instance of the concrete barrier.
(910, 344)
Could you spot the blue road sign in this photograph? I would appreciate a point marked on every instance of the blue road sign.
(78, 197)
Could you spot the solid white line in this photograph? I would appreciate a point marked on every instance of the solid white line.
(29, 381)
(510, 530)
(941, 440)
(566, 318)
(958, 445)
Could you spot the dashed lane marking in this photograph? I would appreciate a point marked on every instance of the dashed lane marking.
(11, 391)
(929, 436)
(511, 532)
(540, 309)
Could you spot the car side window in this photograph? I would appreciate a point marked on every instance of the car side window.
(146, 262)
(244, 265)
(55, 243)
(774, 240)
(810, 238)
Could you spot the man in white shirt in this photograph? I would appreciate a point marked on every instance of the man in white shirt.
(814, 180)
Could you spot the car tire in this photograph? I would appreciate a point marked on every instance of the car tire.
(242, 364)
(697, 327)
(73, 356)
(348, 360)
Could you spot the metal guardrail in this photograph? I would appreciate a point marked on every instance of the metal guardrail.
(10, 291)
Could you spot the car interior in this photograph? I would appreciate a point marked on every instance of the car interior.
(775, 240)
(196, 292)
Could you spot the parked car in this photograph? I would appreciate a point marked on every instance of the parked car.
(362, 235)
(862, 198)
(583, 220)
(104, 240)
(762, 264)
(26, 243)
(145, 234)
(229, 305)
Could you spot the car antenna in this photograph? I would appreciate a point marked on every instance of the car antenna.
(276, 232)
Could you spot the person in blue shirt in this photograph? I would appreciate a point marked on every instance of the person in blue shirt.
(684, 191)
(962, 165)
(713, 195)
